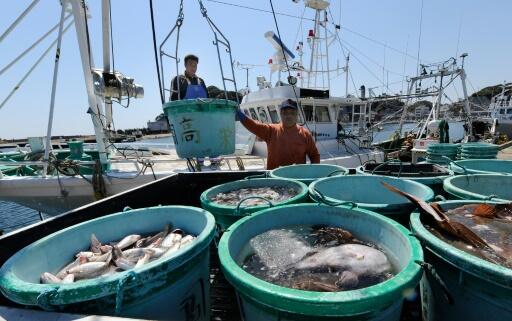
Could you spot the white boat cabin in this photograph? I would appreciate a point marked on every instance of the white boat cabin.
(321, 114)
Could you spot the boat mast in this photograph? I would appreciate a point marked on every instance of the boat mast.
(105, 18)
(54, 87)
(315, 39)
(95, 105)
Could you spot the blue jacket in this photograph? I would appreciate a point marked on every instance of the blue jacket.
(184, 81)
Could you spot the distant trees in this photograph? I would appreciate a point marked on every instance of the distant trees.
(489, 91)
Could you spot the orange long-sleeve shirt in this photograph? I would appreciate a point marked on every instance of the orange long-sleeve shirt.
(285, 146)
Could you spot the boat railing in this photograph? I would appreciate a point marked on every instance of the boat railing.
(137, 163)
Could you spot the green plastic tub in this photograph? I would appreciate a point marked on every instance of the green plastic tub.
(481, 290)
(494, 187)
(482, 166)
(202, 127)
(175, 287)
(308, 173)
(367, 192)
(226, 215)
(260, 300)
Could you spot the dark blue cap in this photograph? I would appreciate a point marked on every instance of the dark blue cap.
(288, 103)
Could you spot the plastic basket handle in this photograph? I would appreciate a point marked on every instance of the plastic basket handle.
(237, 211)
(320, 198)
(440, 198)
(264, 175)
(456, 164)
(335, 172)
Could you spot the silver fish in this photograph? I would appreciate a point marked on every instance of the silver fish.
(128, 240)
(143, 260)
(95, 244)
(172, 238)
(156, 252)
(48, 278)
(63, 272)
(100, 258)
(186, 240)
(70, 278)
(105, 248)
(173, 248)
(133, 254)
(124, 263)
(90, 269)
(86, 254)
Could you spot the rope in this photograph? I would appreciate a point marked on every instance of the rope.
(130, 276)
(98, 184)
(429, 269)
(43, 299)
(240, 163)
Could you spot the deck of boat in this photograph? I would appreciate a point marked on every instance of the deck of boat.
(15, 314)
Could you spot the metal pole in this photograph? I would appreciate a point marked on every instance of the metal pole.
(95, 106)
(31, 47)
(105, 19)
(18, 85)
(327, 51)
(346, 75)
(18, 20)
(404, 112)
(467, 107)
(313, 47)
(54, 87)
(439, 97)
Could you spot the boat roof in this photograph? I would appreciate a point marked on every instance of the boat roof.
(280, 93)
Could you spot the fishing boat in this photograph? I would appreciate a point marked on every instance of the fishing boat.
(501, 110)
(52, 180)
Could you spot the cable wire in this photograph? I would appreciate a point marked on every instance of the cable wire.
(155, 50)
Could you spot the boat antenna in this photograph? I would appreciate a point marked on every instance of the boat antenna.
(419, 40)
(291, 80)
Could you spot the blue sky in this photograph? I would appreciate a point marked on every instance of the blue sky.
(484, 27)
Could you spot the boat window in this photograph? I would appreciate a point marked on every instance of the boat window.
(273, 114)
(253, 114)
(322, 114)
(502, 111)
(263, 115)
(308, 112)
(509, 111)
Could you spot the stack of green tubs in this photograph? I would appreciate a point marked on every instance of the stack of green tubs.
(480, 290)
(263, 301)
(479, 151)
(308, 173)
(437, 153)
(367, 192)
(225, 215)
(494, 187)
(174, 287)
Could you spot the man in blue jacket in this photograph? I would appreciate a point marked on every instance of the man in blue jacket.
(191, 86)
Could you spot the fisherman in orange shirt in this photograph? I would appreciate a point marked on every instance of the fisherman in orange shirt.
(287, 142)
